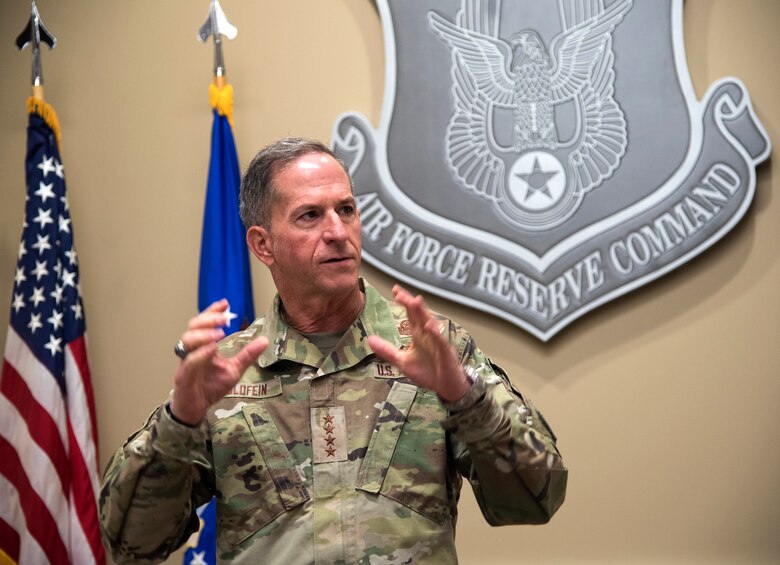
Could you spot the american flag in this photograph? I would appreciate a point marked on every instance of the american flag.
(48, 429)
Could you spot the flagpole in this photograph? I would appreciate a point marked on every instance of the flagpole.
(215, 26)
(224, 258)
(34, 34)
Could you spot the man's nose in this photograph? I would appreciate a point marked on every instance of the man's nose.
(335, 230)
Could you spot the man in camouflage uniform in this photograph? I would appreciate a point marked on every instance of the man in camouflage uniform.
(337, 427)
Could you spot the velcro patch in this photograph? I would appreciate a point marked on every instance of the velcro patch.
(328, 434)
(384, 370)
(256, 390)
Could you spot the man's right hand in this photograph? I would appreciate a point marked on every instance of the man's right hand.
(204, 376)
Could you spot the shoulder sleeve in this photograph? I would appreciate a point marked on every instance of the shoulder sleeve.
(152, 487)
(504, 447)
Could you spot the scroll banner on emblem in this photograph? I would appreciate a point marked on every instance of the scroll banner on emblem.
(535, 160)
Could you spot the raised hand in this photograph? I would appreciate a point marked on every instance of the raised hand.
(204, 376)
(431, 362)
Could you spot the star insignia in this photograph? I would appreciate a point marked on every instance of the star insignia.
(56, 319)
(47, 166)
(69, 279)
(331, 451)
(54, 345)
(64, 224)
(42, 244)
(537, 180)
(43, 218)
(329, 440)
(40, 270)
(35, 322)
(45, 191)
(328, 418)
(57, 293)
(328, 427)
(37, 296)
(19, 277)
(230, 316)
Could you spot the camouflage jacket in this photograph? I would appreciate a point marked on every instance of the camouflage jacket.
(336, 459)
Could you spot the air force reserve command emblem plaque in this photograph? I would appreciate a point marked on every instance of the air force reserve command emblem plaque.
(536, 159)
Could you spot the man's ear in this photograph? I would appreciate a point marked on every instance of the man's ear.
(259, 241)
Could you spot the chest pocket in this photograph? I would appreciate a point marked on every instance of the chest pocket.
(406, 459)
(256, 478)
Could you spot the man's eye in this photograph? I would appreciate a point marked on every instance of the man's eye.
(310, 215)
(349, 210)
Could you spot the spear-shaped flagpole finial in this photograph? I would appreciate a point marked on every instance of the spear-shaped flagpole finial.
(34, 34)
(216, 25)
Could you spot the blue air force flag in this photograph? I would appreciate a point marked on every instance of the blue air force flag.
(224, 267)
(224, 260)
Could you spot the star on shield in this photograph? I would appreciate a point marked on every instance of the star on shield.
(537, 181)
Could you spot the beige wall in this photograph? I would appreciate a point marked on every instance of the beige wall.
(665, 401)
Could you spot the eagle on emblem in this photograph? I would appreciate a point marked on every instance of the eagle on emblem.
(529, 79)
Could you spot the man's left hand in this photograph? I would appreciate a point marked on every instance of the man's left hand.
(431, 362)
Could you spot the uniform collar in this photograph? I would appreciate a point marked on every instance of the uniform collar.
(285, 343)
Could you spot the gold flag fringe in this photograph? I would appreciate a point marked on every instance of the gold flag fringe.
(221, 100)
(45, 111)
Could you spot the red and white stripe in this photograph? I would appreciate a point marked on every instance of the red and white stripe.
(48, 469)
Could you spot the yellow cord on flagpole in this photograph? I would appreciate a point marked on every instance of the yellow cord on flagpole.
(37, 105)
(221, 98)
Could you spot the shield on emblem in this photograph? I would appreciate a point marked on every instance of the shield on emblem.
(537, 159)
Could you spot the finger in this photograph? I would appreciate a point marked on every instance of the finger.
(418, 315)
(249, 354)
(208, 319)
(192, 339)
(199, 356)
(433, 328)
(437, 343)
(220, 305)
(416, 309)
(385, 350)
(401, 295)
(428, 335)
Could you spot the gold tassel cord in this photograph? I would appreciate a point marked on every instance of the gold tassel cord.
(221, 99)
(45, 111)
